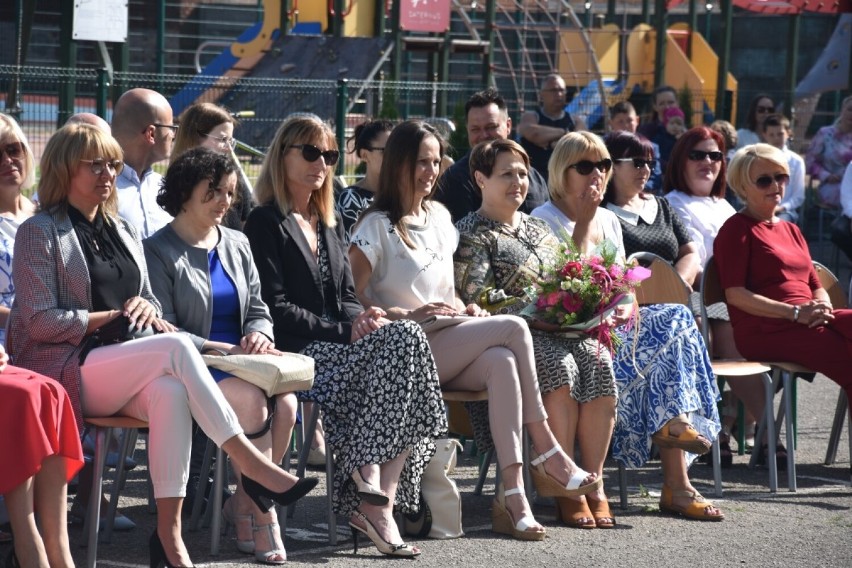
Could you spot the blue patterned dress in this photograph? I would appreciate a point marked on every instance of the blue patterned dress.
(8, 230)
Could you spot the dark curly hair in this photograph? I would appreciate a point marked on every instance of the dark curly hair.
(190, 168)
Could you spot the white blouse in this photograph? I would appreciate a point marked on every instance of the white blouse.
(703, 217)
(405, 277)
(560, 223)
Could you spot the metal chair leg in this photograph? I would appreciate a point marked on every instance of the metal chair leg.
(840, 414)
(622, 485)
(789, 379)
(767, 425)
(93, 514)
(216, 501)
(198, 502)
(484, 466)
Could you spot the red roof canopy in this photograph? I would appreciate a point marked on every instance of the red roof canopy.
(787, 6)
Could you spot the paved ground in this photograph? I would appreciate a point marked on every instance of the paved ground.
(812, 527)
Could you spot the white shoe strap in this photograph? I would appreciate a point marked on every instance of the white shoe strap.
(513, 491)
(546, 455)
(525, 523)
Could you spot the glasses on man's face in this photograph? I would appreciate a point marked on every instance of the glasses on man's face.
(311, 154)
(98, 166)
(701, 155)
(14, 151)
(640, 163)
(585, 167)
(764, 182)
(172, 127)
(223, 142)
(764, 109)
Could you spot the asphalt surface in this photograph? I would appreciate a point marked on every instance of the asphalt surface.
(811, 527)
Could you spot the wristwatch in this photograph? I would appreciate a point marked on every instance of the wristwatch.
(796, 311)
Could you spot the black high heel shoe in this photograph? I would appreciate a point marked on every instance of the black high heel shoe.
(157, 553)
(265, 498)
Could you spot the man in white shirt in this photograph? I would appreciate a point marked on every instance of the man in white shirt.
(143, 125)
(776, 131)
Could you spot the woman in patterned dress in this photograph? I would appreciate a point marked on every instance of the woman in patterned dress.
(401, 254)
(662, 367)
(375, 380)
(502, 249)
(17, 171)
(368, 141)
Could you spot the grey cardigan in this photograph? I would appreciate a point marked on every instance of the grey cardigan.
(180, 278)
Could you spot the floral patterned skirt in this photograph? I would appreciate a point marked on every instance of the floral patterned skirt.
(662, 369)
(380, 396)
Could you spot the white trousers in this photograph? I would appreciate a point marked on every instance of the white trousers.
(162, 380)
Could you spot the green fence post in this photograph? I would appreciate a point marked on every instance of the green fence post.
(103, 90)
(340, 119)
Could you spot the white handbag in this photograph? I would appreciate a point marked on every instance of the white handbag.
(274, 374)
(440, 513)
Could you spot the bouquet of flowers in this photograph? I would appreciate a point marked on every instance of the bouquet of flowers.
(579, 292)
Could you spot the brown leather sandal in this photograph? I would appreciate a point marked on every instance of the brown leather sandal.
(689, 440)
(604, 518)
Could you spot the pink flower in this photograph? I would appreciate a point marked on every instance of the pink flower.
(637, 274)
(572, 303)
(571, 269)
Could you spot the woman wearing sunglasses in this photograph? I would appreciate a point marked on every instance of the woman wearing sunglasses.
(17, 172)
(760, 107)
(375, 380)
(676, 377)
(402, 258)
(207, 125)
(80, 267)
(648, 223)
(778, 308)
(695, 187)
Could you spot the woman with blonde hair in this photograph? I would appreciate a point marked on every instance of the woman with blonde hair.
(375, 380)
(211, 126)
(17, 172)
(80, 268)
(666, 390)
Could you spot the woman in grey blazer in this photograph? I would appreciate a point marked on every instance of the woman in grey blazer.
(206, 281)
(78, 267)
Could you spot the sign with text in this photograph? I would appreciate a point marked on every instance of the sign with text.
(424, 15)
(100, 20)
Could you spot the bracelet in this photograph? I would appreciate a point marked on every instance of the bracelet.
(796, 311)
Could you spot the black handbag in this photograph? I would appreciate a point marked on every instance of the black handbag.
(117, 330)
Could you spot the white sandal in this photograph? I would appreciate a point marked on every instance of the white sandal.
(501, 519)
(547, 485)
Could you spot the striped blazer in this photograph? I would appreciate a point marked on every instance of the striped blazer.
(50, 313)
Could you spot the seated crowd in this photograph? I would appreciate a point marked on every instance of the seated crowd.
(195, 263)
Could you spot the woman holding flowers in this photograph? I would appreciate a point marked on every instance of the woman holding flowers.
(661, 366)
(501, 253)
(401, 253)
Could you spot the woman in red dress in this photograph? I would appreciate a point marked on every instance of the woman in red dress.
(778, 308)
(42, 435)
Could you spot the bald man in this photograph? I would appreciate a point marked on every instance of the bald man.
(541, 129)
(89, 118)
(142, 123)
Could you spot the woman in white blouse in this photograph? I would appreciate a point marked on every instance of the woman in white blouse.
(694, 185)
(402, 261)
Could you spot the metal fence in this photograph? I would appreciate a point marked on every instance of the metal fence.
(42, 98)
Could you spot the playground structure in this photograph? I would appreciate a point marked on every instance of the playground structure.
(512, 44)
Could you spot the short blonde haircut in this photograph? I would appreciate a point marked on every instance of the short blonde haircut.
(570, 149)
(739, 176)
(271, 186)
(10, 129)
(61, 160)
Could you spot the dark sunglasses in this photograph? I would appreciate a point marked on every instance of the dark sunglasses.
(585, 167)
(14, 151)
(640, 163)
(765, 109)
(764, 182)
(701, 155)
(311, 154)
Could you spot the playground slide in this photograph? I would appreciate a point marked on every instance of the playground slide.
(240, 58)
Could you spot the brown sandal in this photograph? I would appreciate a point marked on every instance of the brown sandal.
(697, 508)
(574, 513)
(689, 440)
(601, 513)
